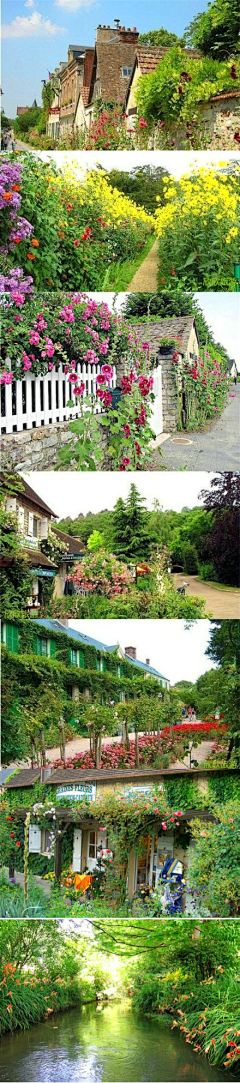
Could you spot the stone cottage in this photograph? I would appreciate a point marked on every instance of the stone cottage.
(112, 65)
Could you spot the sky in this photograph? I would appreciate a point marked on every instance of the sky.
(36, 35)
(174, 650)
(221, 311)
(71, 493)
(176, 163)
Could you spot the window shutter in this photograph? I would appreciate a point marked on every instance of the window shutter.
(81, 659)
(44, 528)
(30, 524)
(98, 665)
(104, 665)
(15, 638)
(52, 648)
(21, 520)
(11, 503)
(34, 839)
(37, 645)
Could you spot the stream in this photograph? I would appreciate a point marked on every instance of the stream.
(109, 1043)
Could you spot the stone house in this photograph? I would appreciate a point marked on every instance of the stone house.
(146, 60)
(37, 529)
(218, 117)
(71, 81)
(53, 123)
(112, 64)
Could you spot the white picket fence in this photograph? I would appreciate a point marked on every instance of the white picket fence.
(41, 400)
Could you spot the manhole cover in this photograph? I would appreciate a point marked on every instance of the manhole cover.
(180, 440)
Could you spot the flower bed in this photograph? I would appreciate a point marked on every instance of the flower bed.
(73, 228)
(28, 996)
(199, 230)
(118, 755)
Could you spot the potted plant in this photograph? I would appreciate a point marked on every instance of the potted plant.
(167, 345)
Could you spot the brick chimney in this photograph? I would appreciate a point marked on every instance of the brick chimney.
(131, 652)
(147, 661)
(110, 34)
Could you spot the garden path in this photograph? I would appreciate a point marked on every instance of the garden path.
(38, 881)
(215, 449)
(220, 603)
(146, 278)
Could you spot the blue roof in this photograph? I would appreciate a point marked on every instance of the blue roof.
(56, 626)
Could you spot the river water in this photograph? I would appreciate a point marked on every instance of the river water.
(110, 1044)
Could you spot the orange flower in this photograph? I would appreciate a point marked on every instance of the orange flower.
(7, 196)
(16, 188)
(34, 242)
(30, 256)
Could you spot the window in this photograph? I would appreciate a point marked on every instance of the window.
(11, 636)
(45, 647)
(120, 670)
(73, 657)
(101, 665)
(35, 526)
(126, 72)
(92, 844)
(77, 658)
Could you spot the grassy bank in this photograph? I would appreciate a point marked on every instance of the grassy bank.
(28, 997)
(119, 276)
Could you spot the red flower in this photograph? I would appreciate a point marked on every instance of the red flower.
(76, 244)
(233, 72)
(18, 844)
(236, 137)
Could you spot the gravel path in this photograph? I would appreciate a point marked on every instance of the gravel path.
(219, 603)
(146, 278)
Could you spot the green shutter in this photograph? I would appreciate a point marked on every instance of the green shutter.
(81, 659)
(52, 648)
(11, 637)
(98, 665)
(104, 665)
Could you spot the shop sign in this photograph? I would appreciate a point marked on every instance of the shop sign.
(141, 791)
(78, 791)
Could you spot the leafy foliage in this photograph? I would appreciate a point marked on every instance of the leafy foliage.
(216, 30)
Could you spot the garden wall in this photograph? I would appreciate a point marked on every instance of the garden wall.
(34, 449)
(149, 333)
(217, 121)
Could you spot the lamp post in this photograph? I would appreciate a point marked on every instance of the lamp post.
(237, 276)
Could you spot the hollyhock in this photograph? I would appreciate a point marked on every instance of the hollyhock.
(6, 377)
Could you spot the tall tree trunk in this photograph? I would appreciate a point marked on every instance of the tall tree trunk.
(43, 749)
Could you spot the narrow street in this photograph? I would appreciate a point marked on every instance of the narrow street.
(217, 449)
(220, 603)
(146, 278)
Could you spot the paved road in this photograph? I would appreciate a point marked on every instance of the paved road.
(219, 603)
(217, 449)
(146, 278)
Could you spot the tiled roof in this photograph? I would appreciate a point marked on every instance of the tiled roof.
(27, 777)
(29, 494)
(176, 327)
(148, 57)
(227, 94)
(73, 545)
(37, 559)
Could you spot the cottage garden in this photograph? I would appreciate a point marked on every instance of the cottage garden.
(77, 233)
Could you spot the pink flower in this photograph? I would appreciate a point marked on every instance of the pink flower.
(27, 363)
(50, 365)
(125, 462)
(80, 389)
(126, 430)
(142, 123)
(34, 338)
(6, 377)
(107, 371)
(19, 298)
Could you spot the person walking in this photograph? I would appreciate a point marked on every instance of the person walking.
(13, 144)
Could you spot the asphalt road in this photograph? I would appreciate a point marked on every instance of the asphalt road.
(217, 449)
(219, 603)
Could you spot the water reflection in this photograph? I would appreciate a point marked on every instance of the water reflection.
(107, 1045)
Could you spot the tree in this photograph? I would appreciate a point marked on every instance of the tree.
(95, 541)
(144, 185)
(216, 31)
(130, 538)
(159, 37)
(99, 720)
(223, 500)
(224, 642)
(27, 121)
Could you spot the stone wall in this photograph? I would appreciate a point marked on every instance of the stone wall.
(34, 449)
(217, 121)
(169, 392)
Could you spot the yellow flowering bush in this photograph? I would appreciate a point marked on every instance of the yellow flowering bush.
(81, 225)
(199, 229)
